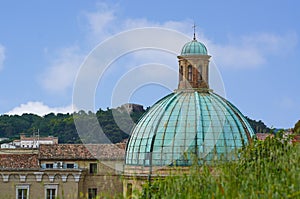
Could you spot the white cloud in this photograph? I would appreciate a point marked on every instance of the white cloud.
(237, 56)
(252, 50)
(140, 23)
(2, 56)
(105, 22)
(271, 43)
(240, 52)
(61, 74)
(100, 22)
(40, 109)
(245, 51)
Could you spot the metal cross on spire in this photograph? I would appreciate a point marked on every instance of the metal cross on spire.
(194, 27)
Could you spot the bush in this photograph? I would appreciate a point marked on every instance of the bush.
(265, 169)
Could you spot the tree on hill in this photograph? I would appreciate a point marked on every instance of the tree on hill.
(297, 127)
(258, 126)
(63, 126)
(115, 123)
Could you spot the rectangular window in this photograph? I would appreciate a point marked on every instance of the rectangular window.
(70, 166)
(49, 166)
(51, 191)
(92, 193)
(22, 192)
(93, 168)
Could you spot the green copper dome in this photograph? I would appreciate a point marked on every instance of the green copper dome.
(194, 48)
(201, 123)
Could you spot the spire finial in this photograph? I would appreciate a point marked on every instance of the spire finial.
(194, 27)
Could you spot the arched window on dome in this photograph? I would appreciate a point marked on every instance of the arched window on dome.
(190, 73)
(180, 73)
(200, 74)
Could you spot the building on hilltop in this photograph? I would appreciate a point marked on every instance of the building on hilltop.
(129, 108)
(30, 142)
(193, 121)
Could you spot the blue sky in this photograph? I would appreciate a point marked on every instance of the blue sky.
(254, 44)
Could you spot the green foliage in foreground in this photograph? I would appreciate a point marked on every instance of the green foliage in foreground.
(266, 169)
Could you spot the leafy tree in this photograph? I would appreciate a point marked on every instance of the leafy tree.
(115, 123)
(297, 127)
(63, 126)
(258, 126)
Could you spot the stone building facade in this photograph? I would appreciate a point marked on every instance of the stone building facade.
(61, 171)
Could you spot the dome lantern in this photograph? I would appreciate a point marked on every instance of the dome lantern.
(193, 67)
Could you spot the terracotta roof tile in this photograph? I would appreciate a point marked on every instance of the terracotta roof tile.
(107, 151)
(263, 136)
(81, 152)
(18, 161)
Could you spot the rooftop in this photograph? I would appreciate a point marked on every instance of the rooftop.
(263, 136)
(82, 152)
(194, 47)
(49, 138)
(19, 161)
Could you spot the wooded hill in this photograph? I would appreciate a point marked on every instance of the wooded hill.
(62, 125)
